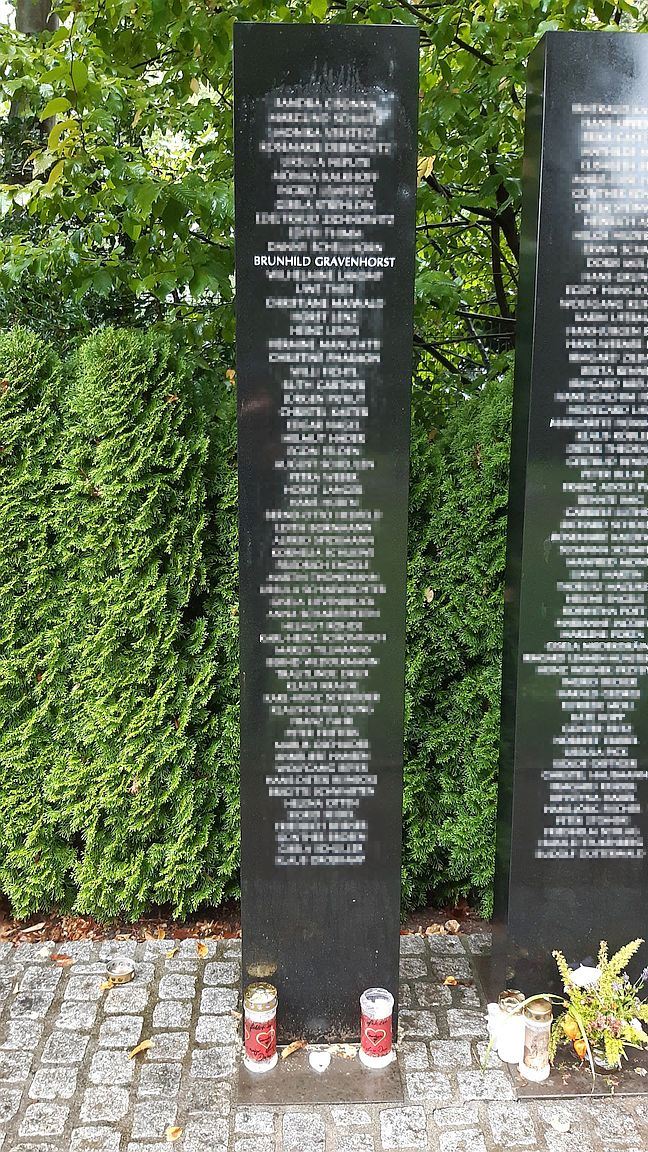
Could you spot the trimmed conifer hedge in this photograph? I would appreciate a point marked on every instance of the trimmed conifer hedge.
(118, 632)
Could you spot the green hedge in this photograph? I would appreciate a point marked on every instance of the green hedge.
(118, 632)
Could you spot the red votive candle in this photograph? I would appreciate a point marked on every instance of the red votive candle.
(260, 1021)
(376, 1008)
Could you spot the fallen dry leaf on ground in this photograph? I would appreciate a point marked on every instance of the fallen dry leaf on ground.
(346, 1051)
(451, 981)
(106, 984)
(172, 1133)
(435, 930)
(62, 959)
(452, 926)
(294, 1047)
(143, 1047)
(202, 949)
(33, 928)
(171, 953)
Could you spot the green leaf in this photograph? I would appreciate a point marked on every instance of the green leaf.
(319, 8)
(55, 174)
(79, 75)
(55, 107)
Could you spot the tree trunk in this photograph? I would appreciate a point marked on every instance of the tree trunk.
(34, 16)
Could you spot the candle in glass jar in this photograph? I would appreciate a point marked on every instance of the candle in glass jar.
(260, 1012)
(376, 1007)
(534, 1064)
(510, 1026)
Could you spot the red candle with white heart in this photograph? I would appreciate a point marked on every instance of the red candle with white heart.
(260, 1026)
(376, 1009)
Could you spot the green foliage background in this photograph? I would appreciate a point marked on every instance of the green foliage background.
(118, 629)
(119, 677)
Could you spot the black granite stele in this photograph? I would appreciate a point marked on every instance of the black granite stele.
(572, 821)
(325, 147)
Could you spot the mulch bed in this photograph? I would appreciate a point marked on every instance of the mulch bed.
(216, 923)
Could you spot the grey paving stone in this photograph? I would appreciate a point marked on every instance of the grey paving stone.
(22, 1034)
(5, 950)
(445, 945)
(423, 1024)
(9, 1103)
(221, 972)
(413, 1054)
(434, 1087)
(169, 1046)
(403, 1128)
(110, 949)
(76, 1017)
(232, 948)
(412, 967)
(111, 1067)
(53, 1084)
(613, 1124)
(132, 1000)
(216, 1030)
(465, 1023)
(254, 1144)
(40, 979)
(138, 1146)
(213, 1096)
(467, 1141)
(44, 1119)
(212, 1063)
(254, 1122)
(160, 1080)
(302, 1131)
(96, 1139)
(65, 1048)
(456, 1116)
(489, 1085)
(206, 1134)
(478, 942)
(172, 1014)
(177, 986)
(351, 1115)
(493, 1059)
(151, 1118)
(120, 1031)
(571, 1142)
(429, 995)
(78, 949)
(104, 1103)
(355, 1142)
(218, 1000)
(40, 1147)
(32, 953)
(564, 1111)
(459, 966)
(30, 1005)
(405, 998)
(412, 945)
(15, 1066)
(91, 968)
(83, 988)
(511, 1123)
(466, 998)
(450, 1054)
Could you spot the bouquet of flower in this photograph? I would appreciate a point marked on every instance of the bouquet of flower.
(604, 1017)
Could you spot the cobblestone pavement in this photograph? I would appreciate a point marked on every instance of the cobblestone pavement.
(67, 1082)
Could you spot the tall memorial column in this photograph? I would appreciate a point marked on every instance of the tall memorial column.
(573, 818)
(325, 155)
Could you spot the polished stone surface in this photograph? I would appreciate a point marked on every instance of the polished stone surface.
(325, 148)
(573, 818)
